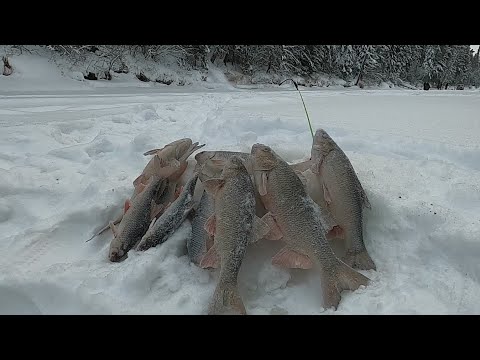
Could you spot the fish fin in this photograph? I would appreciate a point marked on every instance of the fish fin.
(140, 187)
(264, 182)
(326, 195)
(301, 166)
(93, 237)
(210, 225)
(113, 228)
(261, 178)
(156, 210)
(106, 227)
(260, 229)
(140, 179)
(316, 167)
(275, 233)
(302, 177)
(160, 191)
(364, 197)
(178, 191)
(226, 300)
(211, 259)
(209, 242)
(345, 278)
(116, 221)
(152, 152)
(213, 185)
(359, 260)
(152, 223)
(336, 232)
(292, 259)
(126, 205)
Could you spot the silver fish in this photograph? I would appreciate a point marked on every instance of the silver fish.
(171, 219)
(135, 221)
(344, 197)
(201, 240)
(174, 156)
(295, 219)
(233, 227)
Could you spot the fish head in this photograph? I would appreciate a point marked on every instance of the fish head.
(234, 166)
(203, 156)
(209, 164)
(185, 142)
(116, 252)
(204, 167)
(263, 157)
(322, 144)
(181, 147)
(161, 168)
(171, 149)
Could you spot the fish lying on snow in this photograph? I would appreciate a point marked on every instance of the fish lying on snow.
(210, 164)
(233, 226)
(136, 219)
(200, 241)
(295, 219)
(344, 197)
(174, 156)
(171, 219)
(213, 162)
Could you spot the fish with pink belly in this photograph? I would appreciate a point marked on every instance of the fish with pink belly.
(343, 196)
(294, 218)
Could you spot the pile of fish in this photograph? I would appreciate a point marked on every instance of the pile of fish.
(233, 199)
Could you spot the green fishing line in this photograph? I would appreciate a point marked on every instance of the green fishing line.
(303, 102)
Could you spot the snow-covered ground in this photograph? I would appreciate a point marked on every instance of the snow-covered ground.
(69, 151)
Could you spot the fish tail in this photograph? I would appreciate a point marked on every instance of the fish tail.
(349, 279)
(359, 260)
(345, 278)
(226, 301)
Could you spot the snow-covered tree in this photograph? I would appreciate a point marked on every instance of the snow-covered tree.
(438, 64)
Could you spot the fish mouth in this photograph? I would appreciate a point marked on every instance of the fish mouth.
(116, 257)
(320, 135)
(255, 147)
